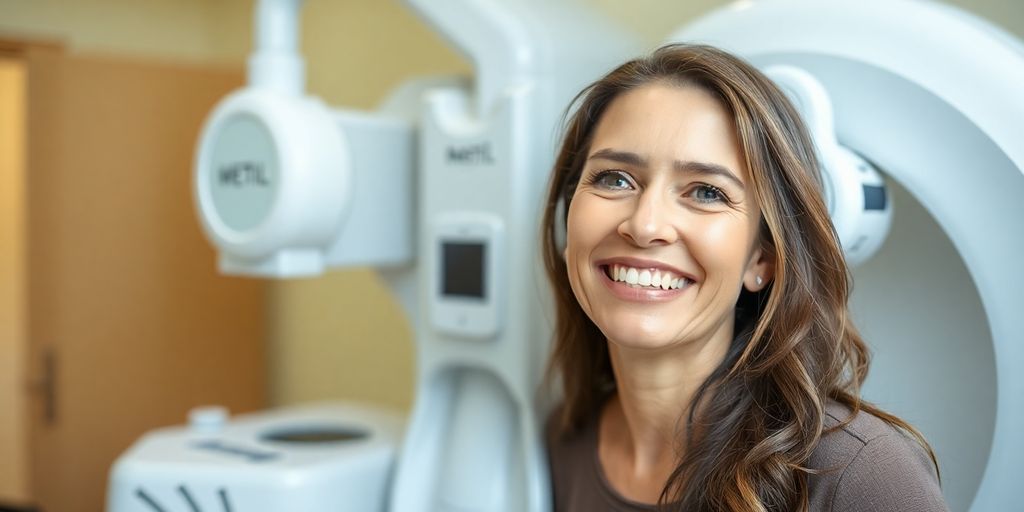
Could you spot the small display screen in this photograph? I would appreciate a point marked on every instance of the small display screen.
(874, 198)
(462, 269)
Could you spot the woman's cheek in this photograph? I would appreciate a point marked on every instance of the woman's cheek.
(721, 239)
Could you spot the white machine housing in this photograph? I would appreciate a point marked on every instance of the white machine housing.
(941, 116)
(326, 456)
(856, 195)
(286, 186)
(474, 441)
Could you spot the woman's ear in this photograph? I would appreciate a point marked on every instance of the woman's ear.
(760, 269)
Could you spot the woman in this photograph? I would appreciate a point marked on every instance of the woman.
(703, 337)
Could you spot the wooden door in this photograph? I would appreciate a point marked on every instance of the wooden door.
(129, 323)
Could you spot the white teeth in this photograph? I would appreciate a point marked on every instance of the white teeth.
(632, 276)
(646, 277)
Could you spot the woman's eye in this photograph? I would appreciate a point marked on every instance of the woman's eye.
(707, 194)
(612, 180)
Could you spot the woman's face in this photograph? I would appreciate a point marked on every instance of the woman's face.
(662, 228)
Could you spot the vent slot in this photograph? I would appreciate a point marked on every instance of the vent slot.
(188, 498)
(224, 499)
(148, 500)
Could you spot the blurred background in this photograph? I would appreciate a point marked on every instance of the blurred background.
(113, 319)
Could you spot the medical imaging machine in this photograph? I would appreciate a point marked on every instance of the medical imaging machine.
(441, 190)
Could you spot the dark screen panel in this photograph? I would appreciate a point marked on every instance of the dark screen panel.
(874, 198)
(463, 269)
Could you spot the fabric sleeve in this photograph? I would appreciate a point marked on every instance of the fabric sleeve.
(890, 473)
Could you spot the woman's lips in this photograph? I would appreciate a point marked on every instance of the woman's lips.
(643, 263)
(637, 293)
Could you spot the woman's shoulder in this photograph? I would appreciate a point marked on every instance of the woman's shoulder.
(868, 464)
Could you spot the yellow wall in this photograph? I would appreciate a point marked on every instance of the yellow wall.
(337, 336)
(175, 29)
(13, 455)
(653, 20)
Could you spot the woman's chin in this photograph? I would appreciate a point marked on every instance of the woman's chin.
(639, 338)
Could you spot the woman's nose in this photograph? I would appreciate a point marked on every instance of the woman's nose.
(651, 221)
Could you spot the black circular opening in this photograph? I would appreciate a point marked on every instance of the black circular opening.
(315, 434)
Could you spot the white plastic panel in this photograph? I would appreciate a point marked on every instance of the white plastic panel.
(477, 169)
(315, 457)
(950, 389)
(467, 283)
(477, 473)
(937, 145)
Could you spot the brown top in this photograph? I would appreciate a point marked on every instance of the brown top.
(877, 469)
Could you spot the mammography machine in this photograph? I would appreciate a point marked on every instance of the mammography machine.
(441, 188)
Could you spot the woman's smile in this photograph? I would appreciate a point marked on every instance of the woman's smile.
(640, 280)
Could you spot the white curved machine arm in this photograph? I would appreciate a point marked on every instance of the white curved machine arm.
(941, 116)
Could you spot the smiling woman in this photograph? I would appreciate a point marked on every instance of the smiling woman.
(646, 206)
(702, 335)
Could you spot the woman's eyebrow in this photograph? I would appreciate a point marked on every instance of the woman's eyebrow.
(633, 159)
(622, 157)
(708, 169)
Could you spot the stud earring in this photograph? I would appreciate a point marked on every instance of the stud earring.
(758, 280)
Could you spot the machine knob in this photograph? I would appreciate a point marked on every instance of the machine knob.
(208, 419)
(272, 182)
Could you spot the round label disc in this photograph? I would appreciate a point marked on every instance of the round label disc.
(244, 174)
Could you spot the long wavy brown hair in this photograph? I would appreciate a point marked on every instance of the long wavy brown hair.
(760, 413)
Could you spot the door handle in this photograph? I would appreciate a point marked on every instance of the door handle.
(45, 385)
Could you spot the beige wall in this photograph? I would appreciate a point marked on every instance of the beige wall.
(175, 29)
(656, 19)
(13, 454)
(337, 336)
